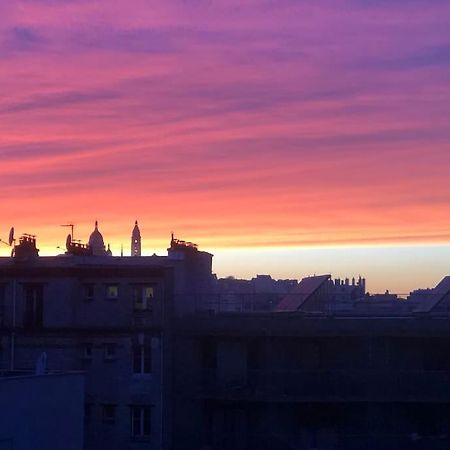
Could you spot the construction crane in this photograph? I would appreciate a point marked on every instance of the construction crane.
(72, 226)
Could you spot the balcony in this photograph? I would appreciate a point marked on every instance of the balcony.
(329, 385)
(144, 318)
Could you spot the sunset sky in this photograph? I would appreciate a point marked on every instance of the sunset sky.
(285, 136)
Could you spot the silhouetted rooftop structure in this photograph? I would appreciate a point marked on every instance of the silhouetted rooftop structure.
(434, 297)
(26, 247)
(302, 293)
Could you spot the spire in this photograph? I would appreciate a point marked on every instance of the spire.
(136, 240)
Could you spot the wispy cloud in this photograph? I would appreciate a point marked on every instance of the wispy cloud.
(321, 117)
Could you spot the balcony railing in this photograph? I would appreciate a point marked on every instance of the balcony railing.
(330, 385)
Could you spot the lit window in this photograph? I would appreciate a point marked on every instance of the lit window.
(112, 291)
(142, 359)
(110, 351)
(109, 413)
(143, 296)
(88, 292)
(140, 421)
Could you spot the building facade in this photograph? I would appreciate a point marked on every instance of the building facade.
(294, 381)
(109, 317)
(324, 366)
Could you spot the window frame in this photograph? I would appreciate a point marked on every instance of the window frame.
(107, 355)
(108, 295)
(88, 351)
(88, 407)
(140, 425)
(87, 295)
(109, 418)
(143, 355)
(142, 302)
(33, 313)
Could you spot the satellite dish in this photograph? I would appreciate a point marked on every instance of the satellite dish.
(11, 236)
(68, 241)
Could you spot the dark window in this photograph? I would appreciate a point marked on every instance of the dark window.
(254, 355)
(140, 421)
(87, 411)
(110, 351)
(142, 359)
(2, 299)
(88, 292)
(87, 351)
(208, 354)
(436, 353)
(34, 308)
(109, 413)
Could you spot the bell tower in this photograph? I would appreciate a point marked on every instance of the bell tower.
(136, 241)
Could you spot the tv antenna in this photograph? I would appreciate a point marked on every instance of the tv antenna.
(11, 240)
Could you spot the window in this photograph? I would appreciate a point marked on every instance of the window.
(254, 355)
(108, 413)
(140, 421)
(208, 354)
(142, 359)
(34, 308)
(87, 351)
(88, 292)
(110, 351)
(143, 296)
(2, 298)
(87, 411)
(112, 291)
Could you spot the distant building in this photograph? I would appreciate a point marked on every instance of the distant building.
(136, 241)
(96, 243)
(261, 293)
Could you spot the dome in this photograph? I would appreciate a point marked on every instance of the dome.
(96, 242)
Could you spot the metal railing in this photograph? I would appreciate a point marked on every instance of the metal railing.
(359, 385)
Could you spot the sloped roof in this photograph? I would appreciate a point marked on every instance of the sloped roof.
(435, 296)
(298, 296)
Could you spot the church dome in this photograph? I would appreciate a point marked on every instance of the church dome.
(96, 242)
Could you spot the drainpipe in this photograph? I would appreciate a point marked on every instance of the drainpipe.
(13, 331)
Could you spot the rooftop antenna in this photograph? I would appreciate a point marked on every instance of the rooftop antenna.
(72, 226)
(11, 240)
(68, 242)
